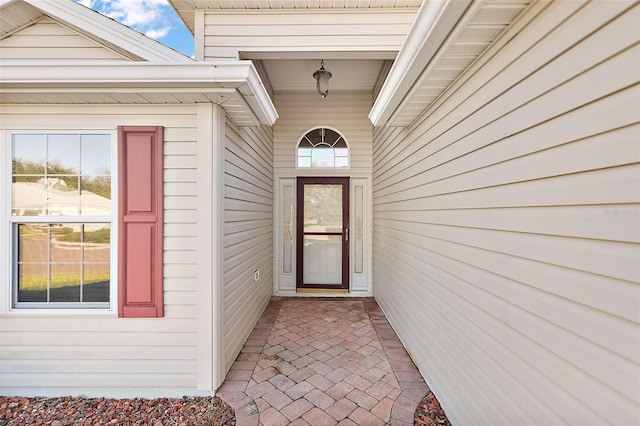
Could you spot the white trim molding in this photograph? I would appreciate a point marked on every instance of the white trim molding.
(434, 22)
(210, 267)
(235, 85)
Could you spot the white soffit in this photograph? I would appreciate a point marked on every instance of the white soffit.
(235, 85)
(446, 38)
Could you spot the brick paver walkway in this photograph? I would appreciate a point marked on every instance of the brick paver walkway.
(319, 361)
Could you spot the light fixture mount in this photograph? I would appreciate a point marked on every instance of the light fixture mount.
(322, 77)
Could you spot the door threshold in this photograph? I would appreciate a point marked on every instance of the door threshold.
(322, 290)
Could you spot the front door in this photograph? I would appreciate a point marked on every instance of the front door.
(322, 233)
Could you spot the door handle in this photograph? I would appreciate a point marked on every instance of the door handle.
(347, 234)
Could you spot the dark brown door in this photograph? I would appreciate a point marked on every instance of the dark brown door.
(322, 233)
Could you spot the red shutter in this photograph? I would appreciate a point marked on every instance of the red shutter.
(140, 292)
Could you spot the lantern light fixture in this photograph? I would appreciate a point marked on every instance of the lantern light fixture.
(322, 77)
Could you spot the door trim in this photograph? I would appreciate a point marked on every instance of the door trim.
(300, 182)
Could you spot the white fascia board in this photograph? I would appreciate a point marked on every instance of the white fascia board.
(108, 29)
(226, 77)
(139, 74)
(433, 23)
(258, 98)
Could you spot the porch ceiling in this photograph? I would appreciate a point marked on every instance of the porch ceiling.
(348, 75)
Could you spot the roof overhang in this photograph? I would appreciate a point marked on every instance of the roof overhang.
(235, 85)
(446, 39)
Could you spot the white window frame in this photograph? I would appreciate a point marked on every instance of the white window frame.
(8, 294)
(306, 132)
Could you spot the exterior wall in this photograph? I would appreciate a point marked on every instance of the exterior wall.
(345, 112)
(248, 232)
(48, 40)
(299, 113)
(506, 227)
(226, 33)
(97, 354)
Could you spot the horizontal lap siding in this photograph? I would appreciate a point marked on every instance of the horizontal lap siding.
(58, 354)
(228, 33)
(49, 40)
(248, 232)
(345, 112)
(506, 231)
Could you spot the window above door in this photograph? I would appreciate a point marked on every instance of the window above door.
(322, 148)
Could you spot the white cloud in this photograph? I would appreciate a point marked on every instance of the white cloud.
(151, 17)
(157, 33)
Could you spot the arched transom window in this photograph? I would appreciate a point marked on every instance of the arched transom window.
(323, 147)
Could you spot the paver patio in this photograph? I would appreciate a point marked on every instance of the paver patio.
(323, 361)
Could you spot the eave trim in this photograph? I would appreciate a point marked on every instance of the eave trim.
(235, 78)
(433, 23)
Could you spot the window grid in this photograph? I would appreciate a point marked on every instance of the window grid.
(322, 148)
(65, 275)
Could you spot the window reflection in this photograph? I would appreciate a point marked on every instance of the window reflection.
(323, 148)
(63, 262)
(75, 181)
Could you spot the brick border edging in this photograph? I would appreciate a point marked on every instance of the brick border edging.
(412, 386)
(233, 389)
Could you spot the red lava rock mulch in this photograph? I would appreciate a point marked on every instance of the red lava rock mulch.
(430, 413)
(201, 411)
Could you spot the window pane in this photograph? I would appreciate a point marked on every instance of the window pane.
(33, 242)
(304, 162)
(65, 282)
(61, 175)
(359, 230)
(340, 143)
(322, 208)
(326, 148)
(96, 283)
(28, 154)
(96, 246)
(68, 262)
(96, 154)
(63, 154)
(304, 152)
(287, 231)
(342, 162)
(32, 282)
(63, 196)
(341, 152)
(95, 197)
(322, 259)
(28, 196)
(322, 157)
(65, 242)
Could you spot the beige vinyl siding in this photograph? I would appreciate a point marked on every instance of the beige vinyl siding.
(248, 232)
(506, 226)
(98, 354)
(344, 112)
(49, 40)
(227, 33)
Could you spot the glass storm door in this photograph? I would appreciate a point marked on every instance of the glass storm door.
(322, 233)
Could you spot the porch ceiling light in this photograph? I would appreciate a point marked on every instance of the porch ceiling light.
(322, 77)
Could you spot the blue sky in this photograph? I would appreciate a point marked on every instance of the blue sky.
(154, 18)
